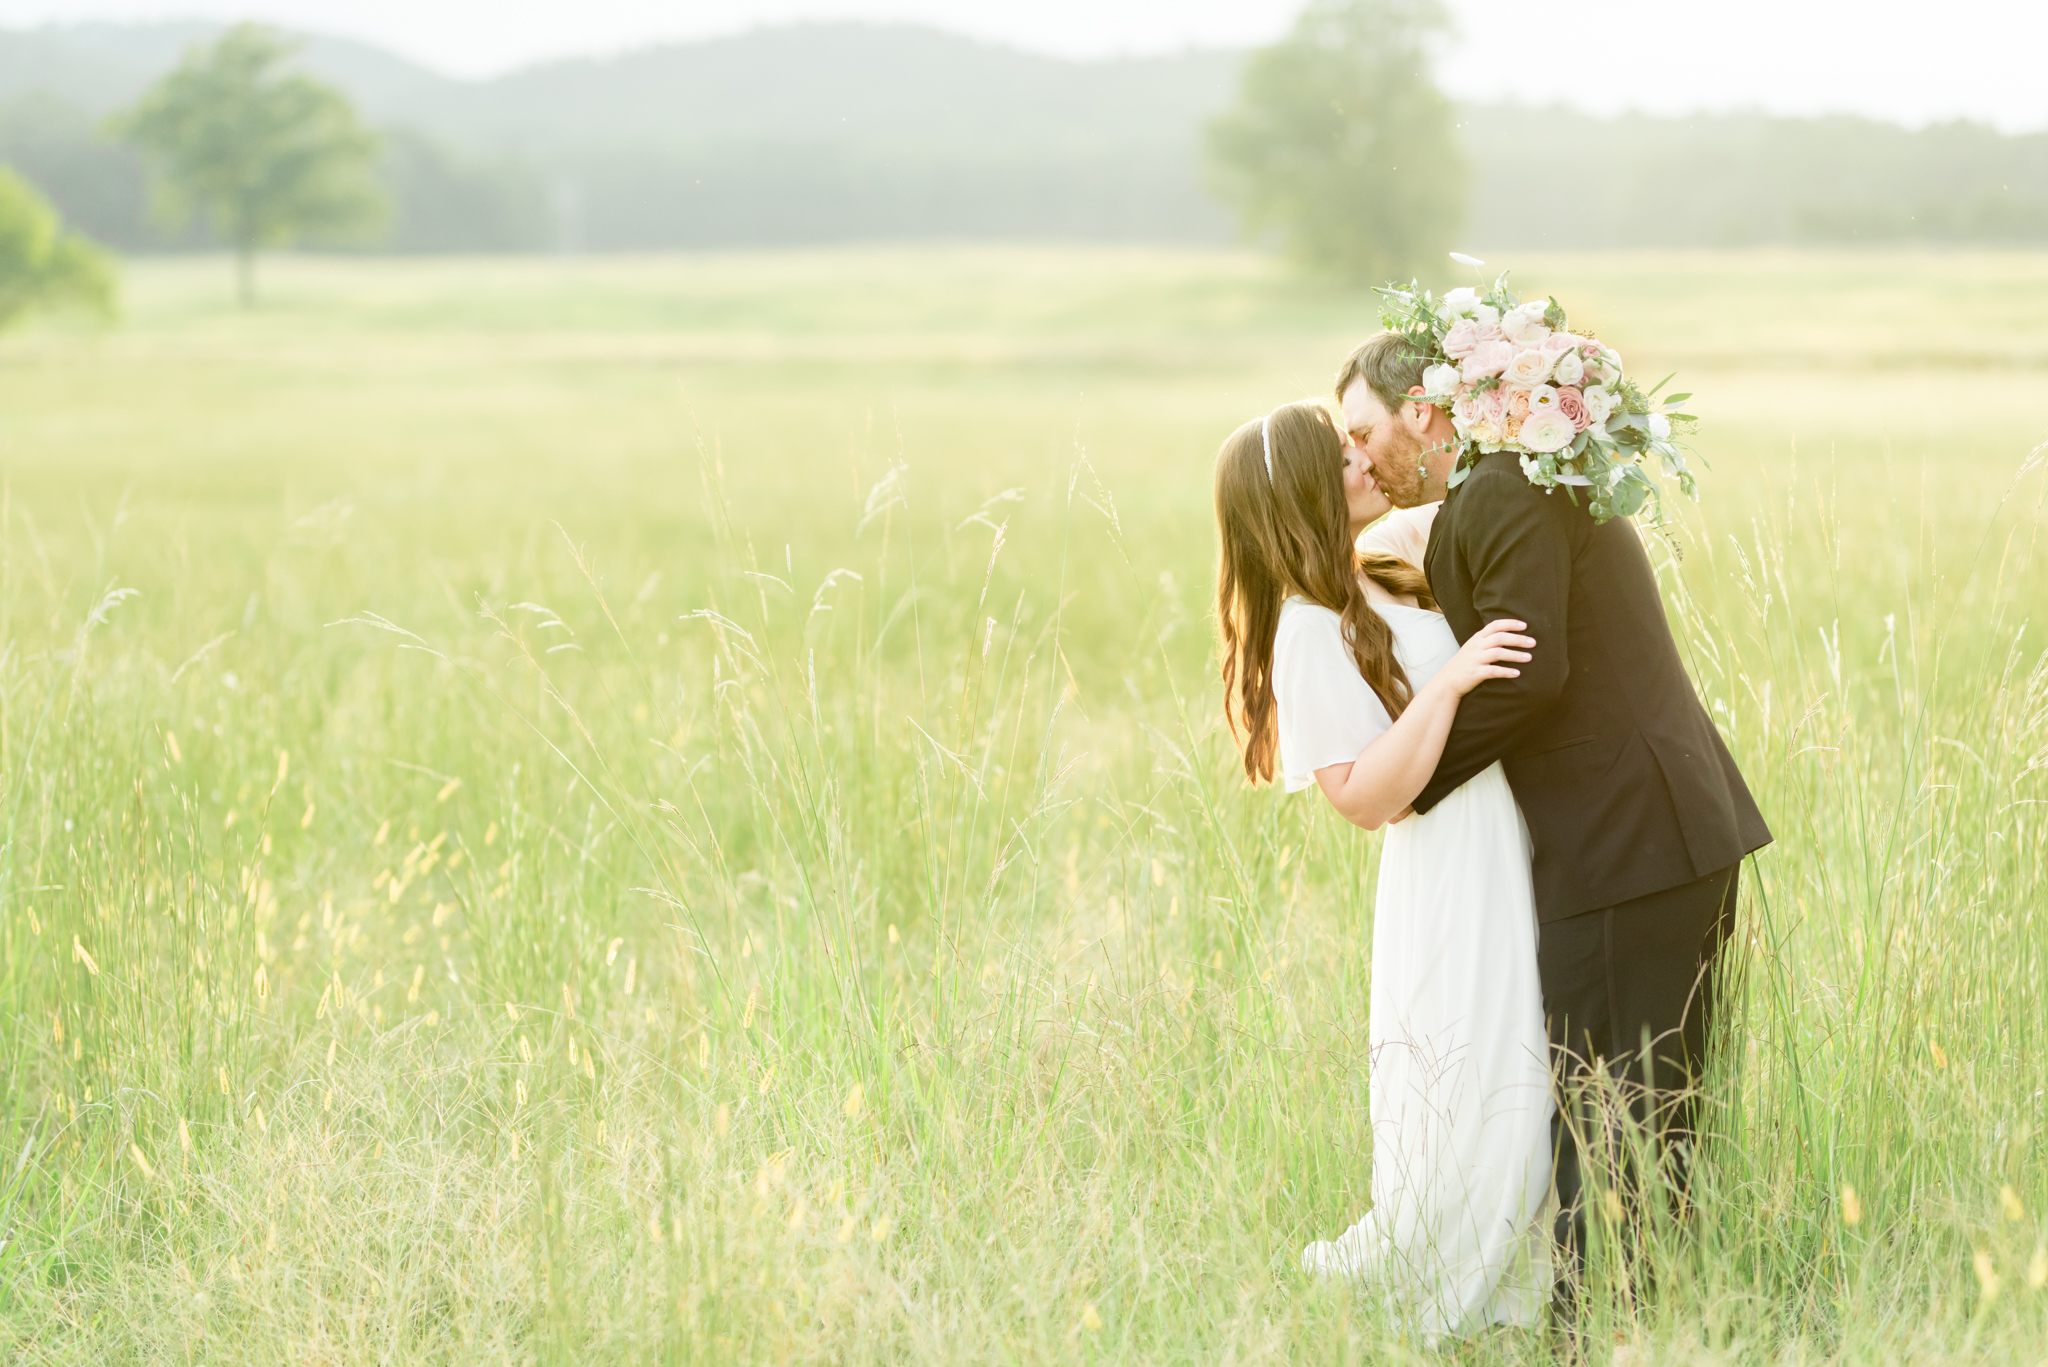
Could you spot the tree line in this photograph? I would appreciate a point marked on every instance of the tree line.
(1333, 144)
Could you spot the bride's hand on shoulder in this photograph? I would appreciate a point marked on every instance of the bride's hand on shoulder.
(1492, 653)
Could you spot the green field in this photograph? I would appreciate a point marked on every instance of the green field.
(675, 810)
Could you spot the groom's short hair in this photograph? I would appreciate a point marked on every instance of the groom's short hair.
(1389, 367)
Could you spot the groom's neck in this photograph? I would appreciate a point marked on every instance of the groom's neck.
(1439, 465)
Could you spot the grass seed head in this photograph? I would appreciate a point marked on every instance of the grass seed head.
(1852, 1206)
(2009, 1202)
(1987, 1276)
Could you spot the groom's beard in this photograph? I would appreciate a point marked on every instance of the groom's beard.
(1399, 474)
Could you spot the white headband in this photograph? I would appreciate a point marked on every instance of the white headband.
(1266, 437)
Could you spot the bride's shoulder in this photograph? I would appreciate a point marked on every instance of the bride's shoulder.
(1403, 533)
(1301, 620)
(1299, 613)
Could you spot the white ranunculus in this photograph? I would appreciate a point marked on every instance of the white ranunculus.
(1546, 430)
(1599, 404)
(1462, 302)
(1440, 381)
(1524, 325)
(1542, 396)
(1660, 427)
(1570, 369)
(1529, 367)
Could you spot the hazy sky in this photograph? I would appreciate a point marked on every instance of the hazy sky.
(1913, 62)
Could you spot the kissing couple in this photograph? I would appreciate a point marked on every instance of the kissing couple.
(1428, 618)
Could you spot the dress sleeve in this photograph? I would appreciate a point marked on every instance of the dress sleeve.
(1326, 711)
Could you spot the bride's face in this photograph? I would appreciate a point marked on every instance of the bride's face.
(1361, 491)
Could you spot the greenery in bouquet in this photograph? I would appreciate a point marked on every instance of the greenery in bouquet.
(1513, 376)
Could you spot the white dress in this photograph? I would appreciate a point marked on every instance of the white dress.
(1458, 1235)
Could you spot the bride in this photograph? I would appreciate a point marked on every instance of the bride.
(1338, 671)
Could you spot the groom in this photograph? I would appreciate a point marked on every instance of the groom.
(1637, 813)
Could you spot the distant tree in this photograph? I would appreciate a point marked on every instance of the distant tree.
(1341, 144)
(41, 265)
(268, 155)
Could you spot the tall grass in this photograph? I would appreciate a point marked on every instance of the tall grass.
(564, 936)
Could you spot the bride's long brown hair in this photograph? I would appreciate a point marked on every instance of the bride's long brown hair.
(1288, 534)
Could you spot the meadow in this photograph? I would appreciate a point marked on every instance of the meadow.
(675, 810)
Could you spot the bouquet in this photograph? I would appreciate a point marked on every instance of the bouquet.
(1515, 377)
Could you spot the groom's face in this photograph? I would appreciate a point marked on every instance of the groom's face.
(1389, 445)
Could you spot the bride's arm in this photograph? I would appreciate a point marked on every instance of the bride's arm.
(1378, 786)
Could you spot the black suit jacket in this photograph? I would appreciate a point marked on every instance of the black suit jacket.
(1625, 783)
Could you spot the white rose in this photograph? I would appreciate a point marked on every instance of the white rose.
(1525, 324)
(1570, 369)
(1440, 381)
(1599, 404)
(1487, 316)
(1546, 430)
(1660, 427)
(1528, 368)
(1608, 368)
(1462, 302)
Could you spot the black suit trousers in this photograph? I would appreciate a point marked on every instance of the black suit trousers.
(1646, 969)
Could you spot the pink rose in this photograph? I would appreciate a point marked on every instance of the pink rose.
(1572, 404)
(1557, 343)
(1518, 403)
(1496, 401)
(1467, 335)
(1531, 367)
(1487, 359)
